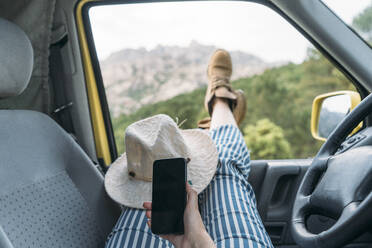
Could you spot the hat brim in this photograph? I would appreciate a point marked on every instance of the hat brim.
(200, 170)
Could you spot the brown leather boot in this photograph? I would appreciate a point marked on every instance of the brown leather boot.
(204, 123)
(240, 107)
(219, 73)
(238, 111)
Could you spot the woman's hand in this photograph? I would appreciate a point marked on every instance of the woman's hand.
(195, 234)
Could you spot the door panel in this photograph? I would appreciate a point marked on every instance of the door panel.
(275, 183)
(275, 191)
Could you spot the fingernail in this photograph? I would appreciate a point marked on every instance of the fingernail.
(189, 181)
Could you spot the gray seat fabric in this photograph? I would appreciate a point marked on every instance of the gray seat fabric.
(16, 57)
(52, 195)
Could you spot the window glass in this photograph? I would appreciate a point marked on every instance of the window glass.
(356, 14)
(154, 57)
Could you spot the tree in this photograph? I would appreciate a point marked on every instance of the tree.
(363, 23)
(266, 141)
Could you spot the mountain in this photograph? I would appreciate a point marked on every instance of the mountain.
(136, 77)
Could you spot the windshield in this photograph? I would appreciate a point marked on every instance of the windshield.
(356, 14)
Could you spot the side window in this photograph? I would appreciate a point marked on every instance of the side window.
(154, 56)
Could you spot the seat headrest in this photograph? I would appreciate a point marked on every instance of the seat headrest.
(16, 59)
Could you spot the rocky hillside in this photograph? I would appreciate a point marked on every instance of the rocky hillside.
(136, 77)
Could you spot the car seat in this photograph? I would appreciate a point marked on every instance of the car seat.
(51, 194)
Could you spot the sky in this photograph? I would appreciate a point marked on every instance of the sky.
(243, 26)
(339, 103)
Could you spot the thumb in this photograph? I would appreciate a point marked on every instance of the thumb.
(192, 197)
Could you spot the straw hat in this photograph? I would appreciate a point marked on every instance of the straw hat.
(129, 179)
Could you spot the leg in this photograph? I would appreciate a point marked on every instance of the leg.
(131, 231)
(221, 114)
(228, 204)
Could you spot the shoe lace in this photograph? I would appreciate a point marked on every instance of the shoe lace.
(220, 82)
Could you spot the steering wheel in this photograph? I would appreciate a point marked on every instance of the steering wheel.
(338, 186)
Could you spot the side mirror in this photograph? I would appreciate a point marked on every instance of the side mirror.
(329, 110)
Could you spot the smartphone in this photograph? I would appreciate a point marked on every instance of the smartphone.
(168, 196)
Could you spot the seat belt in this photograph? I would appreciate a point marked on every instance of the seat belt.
(61, 113)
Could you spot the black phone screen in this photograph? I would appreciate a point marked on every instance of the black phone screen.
(168, 196)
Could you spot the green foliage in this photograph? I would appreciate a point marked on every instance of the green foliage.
(363, 23)
(281, 95)
(284, 95)
(266, 141)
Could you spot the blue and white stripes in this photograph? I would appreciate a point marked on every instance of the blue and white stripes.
(227, 205)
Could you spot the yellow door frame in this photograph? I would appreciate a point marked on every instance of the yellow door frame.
(99, 129)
